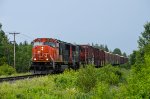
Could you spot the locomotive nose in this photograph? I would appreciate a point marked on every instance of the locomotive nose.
(41, 53)
(42, 48)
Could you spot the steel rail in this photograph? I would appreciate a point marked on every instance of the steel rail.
(6, 79)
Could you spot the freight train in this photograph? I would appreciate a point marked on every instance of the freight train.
(52, 55)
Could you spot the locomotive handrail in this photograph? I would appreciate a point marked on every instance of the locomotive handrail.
(52, 61)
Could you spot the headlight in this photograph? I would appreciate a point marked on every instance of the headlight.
(46, 58)
(35, 59)
(42, 48)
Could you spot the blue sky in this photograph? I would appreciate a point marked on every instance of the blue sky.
(116, 23)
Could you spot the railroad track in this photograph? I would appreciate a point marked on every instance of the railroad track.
(19, 77)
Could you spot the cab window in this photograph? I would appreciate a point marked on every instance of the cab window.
(50, 44)
(37, 43)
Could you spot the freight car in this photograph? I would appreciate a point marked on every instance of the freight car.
(52, 55)
(91, 55)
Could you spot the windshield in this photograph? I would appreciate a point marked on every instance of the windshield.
(37, 43)
(50, 44)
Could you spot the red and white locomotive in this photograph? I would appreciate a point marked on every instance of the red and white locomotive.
(52, 55)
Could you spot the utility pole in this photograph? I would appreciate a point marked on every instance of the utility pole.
(14, 47)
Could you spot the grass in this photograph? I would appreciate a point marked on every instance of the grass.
(52, 86)
(86, 83)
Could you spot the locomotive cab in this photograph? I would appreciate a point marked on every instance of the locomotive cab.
(44, 54)
(43, 51)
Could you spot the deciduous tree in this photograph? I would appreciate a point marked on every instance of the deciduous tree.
(144, 39)
(117, 51)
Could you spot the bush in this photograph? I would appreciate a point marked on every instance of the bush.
(2, 60)
(109, 74)
(126, 66)
(65, 80)
(138, 82)
(86, 78)
(6, 70)
(102, 91)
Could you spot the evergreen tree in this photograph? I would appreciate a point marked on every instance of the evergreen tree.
(23, 57)
(96, 46)
(4, 48)
(101, 47)
(25, 43)
(93, 44)
(106, 48)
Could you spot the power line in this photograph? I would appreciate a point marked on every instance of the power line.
(28, 36)
(14, 47)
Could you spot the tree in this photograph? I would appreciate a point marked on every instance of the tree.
(92, 44)
(0, 26)
(23, 53)
(102, 47)
(133, 58)
(124, 54)
(144, 41)
(117, 51)
(145, 38)
(4, 47)
(138, 57)
(106, 48)
(25, 43)
(96, 46)
(23, 57)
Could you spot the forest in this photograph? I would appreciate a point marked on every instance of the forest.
(131, 80)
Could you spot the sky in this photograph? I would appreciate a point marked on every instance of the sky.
(116, 23)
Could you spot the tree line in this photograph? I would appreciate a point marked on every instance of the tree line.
(105, 48)
(23, 53)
